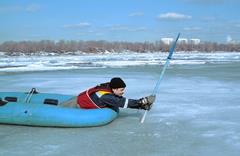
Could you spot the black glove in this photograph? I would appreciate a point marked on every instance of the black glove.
(2, 102)
(146, 102)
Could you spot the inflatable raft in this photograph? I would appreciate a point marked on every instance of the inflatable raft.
(44, 109)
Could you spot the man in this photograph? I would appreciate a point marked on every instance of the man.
(111, 95)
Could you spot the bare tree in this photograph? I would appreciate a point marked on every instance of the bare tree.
(62, 46)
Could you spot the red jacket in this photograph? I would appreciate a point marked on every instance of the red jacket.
(84, 100)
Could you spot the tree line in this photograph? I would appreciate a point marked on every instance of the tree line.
(62, 46)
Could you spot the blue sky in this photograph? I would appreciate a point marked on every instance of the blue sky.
(122, 20)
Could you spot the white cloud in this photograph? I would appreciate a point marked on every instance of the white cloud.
(10, 8)
(138, 29)
(118, 27)
(127, 28)
(91, 32)
(20, 8)
(238, 25)
(192, 28)
(210, 2)
(99, 34)
(79, 25)
(134, 14)
(173, 16)
(32, 8)
(81, 34)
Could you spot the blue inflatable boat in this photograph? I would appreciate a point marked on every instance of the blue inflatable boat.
(44, 109)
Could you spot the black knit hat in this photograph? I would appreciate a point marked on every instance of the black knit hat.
(117, 82)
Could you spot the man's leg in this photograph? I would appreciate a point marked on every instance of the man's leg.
(72, 103)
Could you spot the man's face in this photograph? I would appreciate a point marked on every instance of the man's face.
(118, 91)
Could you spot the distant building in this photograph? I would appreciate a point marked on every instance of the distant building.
(167, 40)
(231, 41)
(195, 41)
(182, 40)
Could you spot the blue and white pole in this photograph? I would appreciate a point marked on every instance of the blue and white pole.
(157, 86)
